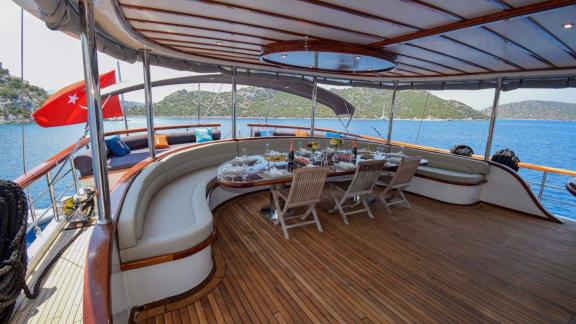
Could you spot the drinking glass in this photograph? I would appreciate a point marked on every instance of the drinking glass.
(244, 153)
(267, 149)
(300, 146)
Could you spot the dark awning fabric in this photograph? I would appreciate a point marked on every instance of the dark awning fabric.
(297, 86)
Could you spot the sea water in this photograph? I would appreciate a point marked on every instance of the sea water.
(549, 143)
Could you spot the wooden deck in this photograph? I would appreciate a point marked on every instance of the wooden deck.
(60, 299)
(434, 263)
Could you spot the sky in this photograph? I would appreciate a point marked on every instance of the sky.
(53, 60)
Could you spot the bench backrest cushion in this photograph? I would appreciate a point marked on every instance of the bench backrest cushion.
(157, 175)
(451, 162)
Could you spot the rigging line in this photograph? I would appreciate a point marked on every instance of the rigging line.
(213, 100)
(22, 129)
(422, 117)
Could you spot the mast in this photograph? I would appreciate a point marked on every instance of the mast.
(94, 106)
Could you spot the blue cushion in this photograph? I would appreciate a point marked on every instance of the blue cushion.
(117, 147)
(333, 135)
(203, 135)
(266, 132)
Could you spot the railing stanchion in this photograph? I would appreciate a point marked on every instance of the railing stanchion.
(542, 185)
(52, 196)
(234, 103)
(74, 175)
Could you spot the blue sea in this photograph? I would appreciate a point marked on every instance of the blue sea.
(549, 143)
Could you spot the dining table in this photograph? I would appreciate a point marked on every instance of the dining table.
(272, 168)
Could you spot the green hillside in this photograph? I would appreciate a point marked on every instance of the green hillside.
(11, 109)
(258, 102)
(536, 109)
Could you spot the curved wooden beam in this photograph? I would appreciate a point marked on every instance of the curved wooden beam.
(478, 21)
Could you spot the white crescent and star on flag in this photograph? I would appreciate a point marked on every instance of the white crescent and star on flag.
(73, 98)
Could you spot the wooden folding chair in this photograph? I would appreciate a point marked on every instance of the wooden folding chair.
(362, 184)
(306, 189)
(395, 185)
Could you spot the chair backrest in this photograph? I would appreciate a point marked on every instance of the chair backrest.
(365, 178)
(406, 171)
(307, 185)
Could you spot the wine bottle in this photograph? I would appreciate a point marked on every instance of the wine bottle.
(291, 157)
(355, 150)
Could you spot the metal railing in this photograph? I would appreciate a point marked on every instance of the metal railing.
(65, 168)
(540, 187)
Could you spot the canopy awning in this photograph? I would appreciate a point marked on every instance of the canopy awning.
(436, 45)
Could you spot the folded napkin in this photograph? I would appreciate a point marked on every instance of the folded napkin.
(400, 155)
(233, 169)
(345, 165)
(277, 173)
(302, 160)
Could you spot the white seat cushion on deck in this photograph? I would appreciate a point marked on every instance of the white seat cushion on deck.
(450, 175)
(178, 217)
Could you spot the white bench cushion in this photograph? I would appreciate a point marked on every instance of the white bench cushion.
(450, 175)
(178, 217)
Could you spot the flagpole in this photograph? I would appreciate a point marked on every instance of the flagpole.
(94, 106)
(124, 111)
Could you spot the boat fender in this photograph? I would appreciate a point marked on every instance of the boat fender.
(508, 158)
(461, 149)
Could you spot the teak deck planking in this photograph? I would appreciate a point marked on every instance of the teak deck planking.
(433, 263)
(60, 299)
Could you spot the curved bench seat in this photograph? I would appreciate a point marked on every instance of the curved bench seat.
(450, 176)
(178, 217)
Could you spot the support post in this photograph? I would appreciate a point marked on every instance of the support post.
(493, 116)
(148, 104)
(391, 115)
(124, 111)
(234, 113)
(52, 196)
(94, 106)
(314, 104)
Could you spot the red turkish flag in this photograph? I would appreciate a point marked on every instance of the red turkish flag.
(68, 105)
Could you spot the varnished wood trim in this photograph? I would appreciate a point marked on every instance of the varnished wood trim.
(487, 29)
(141, 263)
(224, 40)
(528, 191)
(230, 32)
(185, 14)
(548, 169)
(40, 170)
(450, 56)
(171, 303)
(97, 305)
(456, 183)
(571, 186)
(478, 21)
(324, 46)
(550, 35)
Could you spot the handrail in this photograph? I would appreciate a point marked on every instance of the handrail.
(523, 165)
(40, 170)
(140, 130)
